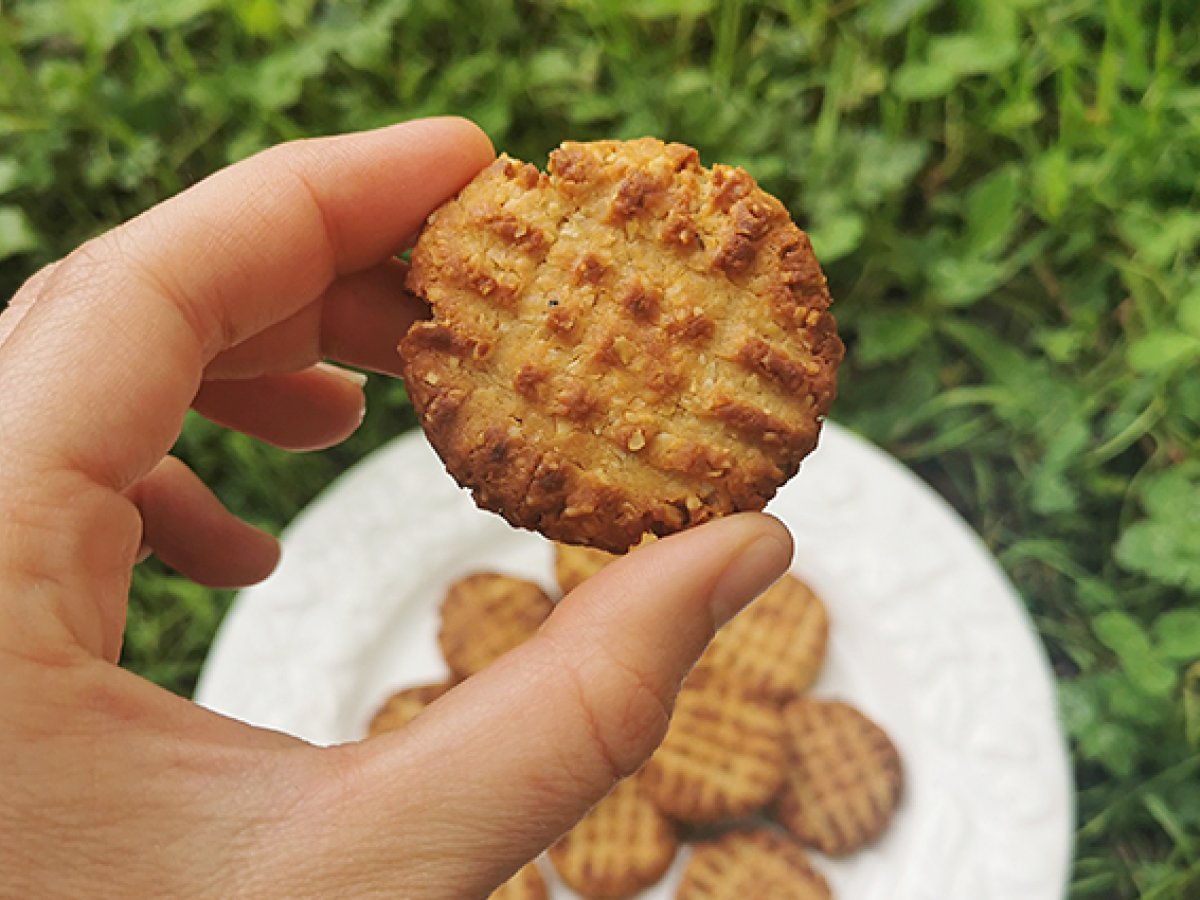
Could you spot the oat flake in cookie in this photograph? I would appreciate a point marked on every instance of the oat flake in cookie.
(627, 343)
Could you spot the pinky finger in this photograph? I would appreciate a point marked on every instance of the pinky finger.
(185, 526)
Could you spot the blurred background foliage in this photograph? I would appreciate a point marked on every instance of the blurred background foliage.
(1003, 192)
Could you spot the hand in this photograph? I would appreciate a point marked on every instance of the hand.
(225, 299)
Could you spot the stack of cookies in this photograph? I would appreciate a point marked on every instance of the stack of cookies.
(752, 771)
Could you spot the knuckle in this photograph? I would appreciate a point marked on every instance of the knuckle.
(29, 293)
(33, 286)
(623, 712)
(89, 265)
(297, 160)
(120, 255)
(641, 721)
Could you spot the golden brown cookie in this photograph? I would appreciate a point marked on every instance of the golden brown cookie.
(403, 706)
(723, 756)
(484, 616)
(527, 884)
(844, 778)
(751, 865)
(774, 647)
(575, 565)
(622, 846)
(627, 343)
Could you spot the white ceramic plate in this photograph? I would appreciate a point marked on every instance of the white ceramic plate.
(928, 638)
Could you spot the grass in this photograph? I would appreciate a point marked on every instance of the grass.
(1004, 193)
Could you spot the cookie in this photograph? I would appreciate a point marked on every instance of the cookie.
(624, 844)
(403, 706)
(484, 616)
(527, 884)
(723, 756)
(574, 565)
(626, 343)
(776, 646)
(751, 865)
(844, 777)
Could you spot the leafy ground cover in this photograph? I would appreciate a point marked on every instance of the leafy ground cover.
(1004, 193)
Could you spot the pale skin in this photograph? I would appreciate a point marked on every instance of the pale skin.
(228, 299)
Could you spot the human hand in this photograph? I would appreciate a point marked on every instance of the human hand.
(225, 299)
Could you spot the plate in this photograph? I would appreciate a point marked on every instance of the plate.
(927, 637)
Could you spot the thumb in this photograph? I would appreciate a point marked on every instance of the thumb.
(502, 765)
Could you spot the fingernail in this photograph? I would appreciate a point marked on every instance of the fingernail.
(752, 571)
(358, 379)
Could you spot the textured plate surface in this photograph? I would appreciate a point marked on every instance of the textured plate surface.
(927, 637)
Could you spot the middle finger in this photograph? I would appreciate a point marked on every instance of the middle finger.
(358, 321)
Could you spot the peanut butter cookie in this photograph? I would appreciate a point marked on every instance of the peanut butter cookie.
(574, 565)
(626, 343)
(404, 706)
(751, 865)
(723, 756)
(844, 781)
(624, 844)
(775, 647)
(484, 616)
